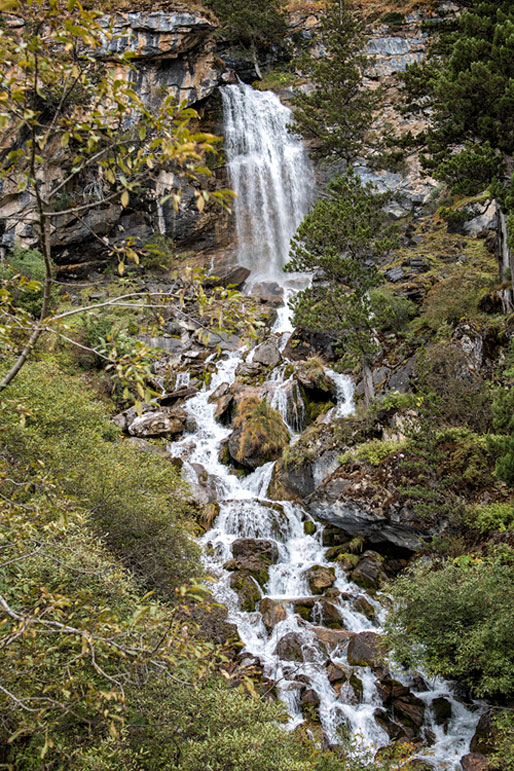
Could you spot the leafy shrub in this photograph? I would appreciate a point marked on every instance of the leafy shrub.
(457, 396)
(391, 312)
(373, 452)
(136, 499)
(28, 263)
(454, 297)
(457, 617)
(497, 517)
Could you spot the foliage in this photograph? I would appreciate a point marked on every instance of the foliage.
(341, 239)
(68, 435)
(451, 299)
(456, 396)
(372, 452)
(457, 618)
(391, 312)
(503, 755)
(255, 25)
(55, 85)
(496, 517)
(337, 114)
(29, 264)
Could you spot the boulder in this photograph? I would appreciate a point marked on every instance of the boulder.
(331, 639)
(227, 275)
(484, 738)
(255, 552)
(474, 761)
(290, 647)
(369, 572)
(366, 650)
(315, 381)
(267, 354)
(158, 423)
(259, 436)
(442, 710)
(248, 369)
(272, 612)
(246, 588)
(320, 578)
(321, 610)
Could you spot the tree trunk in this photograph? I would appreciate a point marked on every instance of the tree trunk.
(255, 62)
(367, 378)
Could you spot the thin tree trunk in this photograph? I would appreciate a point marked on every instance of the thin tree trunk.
(255, 62)
(369, 388)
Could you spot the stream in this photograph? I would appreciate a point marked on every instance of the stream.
(305, 657)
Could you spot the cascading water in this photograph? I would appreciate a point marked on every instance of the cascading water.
(271, 173)
(295, 650)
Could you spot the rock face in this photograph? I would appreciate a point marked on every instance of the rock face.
(174, 54)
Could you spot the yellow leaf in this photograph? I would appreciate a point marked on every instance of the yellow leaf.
(125, 198)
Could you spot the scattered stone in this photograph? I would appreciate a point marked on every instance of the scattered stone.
(369, 573)
(248, 369)
(158, 423)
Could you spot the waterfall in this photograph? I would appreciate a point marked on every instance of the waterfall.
(270, 171)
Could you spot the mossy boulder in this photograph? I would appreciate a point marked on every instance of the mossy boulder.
(320, 578)
(260, 435)
(246, 588)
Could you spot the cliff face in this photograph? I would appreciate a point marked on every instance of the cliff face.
(175, 52)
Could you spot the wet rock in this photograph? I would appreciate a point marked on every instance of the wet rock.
(410, 709)
(362, 605)
(320, 610)
(310, 698)
(290, 647)
(272, 612)
(315, 381)
(255, 552)
(320, 578)
(246, 588)
(442, 710)
(369, 573)
(366, 650)
(331, 639)
(483, 740)
(267, 354)
(474, 761)
(248, 369)
(292, 482)
(259, 435)
(336, 673)
(228, 275)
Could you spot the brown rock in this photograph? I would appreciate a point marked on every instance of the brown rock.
(474, 762)
(272, 612)
(331, 638)
(320, 578)
(411, 709)
(366, 649)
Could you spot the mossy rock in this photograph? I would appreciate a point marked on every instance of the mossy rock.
(246, 589)
(260, 435)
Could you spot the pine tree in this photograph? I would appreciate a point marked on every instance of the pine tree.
(341, 239)
(256, 24)
(338, 112)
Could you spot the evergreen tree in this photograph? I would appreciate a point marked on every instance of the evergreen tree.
(255, 25)
(341, 239)
(338, 112)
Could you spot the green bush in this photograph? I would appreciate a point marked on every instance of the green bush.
(137, 501)
(457, 617)
(28, 263)
(497, 517)
(391, 312)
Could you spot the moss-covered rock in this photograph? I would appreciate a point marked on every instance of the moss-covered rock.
(260, 435)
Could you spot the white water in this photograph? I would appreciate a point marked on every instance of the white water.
(246, 512)
(271, 173)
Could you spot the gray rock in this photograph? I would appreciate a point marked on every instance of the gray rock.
(268, 354)
(158, 423)
(228, 275)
